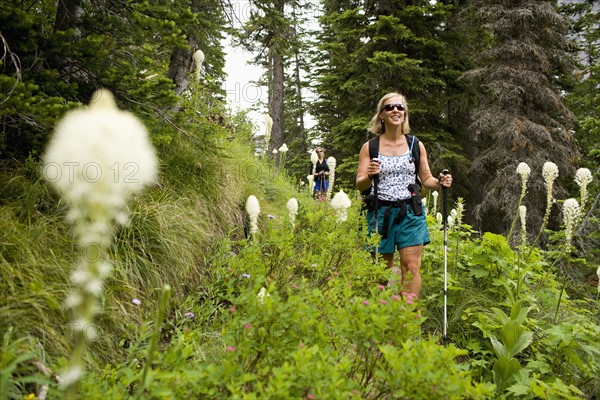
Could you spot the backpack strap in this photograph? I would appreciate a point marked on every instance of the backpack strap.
(373, 153)
(374, 148)
(415, 152)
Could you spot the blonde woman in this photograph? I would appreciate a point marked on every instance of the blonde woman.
(400, 217)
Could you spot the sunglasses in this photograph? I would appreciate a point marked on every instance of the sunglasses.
(390, 107)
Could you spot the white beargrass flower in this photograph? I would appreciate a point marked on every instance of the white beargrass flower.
(460, 211)
(570, 216)
(549, 172)
(435, 195)
(583, 177)
(283, 148)
(268, 127)
(292, 206)
(311, 182)
(198, 60)
(331, 162)
(96, 159)
(275, 151)
(451, 221)
(340, 203)
(524, 170)
(523, 216)
(439, 217)
(253, 209)
(262, 294)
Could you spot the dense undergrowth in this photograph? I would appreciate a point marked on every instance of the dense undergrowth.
(327, 324)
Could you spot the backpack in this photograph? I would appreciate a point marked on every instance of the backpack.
(415, 150)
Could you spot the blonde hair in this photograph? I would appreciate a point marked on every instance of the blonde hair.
(377, 127)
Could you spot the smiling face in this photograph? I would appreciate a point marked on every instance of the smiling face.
(393, 111)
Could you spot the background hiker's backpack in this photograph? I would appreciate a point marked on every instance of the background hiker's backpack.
(415, 150)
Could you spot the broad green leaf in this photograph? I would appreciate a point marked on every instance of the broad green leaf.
(521, 344)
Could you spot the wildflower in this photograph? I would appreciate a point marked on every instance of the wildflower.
(570, 215)
(435, 195)
(381, 287)
(523, 216)
(268, 127)
(395, 297)
(198, 60)
(230, 349)
(311, 182)
(460, 211)
(583, 177)
(382, 301)
(97, 158)
(253, 209)
(232, 309)
(283, 149)
(331, 161)
(549, 172)
(137, 302)
(523, 170)
(271, 216)
(247, 276)
(190, 314)
(275, 151)
(248, 325)
(340, 203)
(262, 294)
(292, 206)
(439, 218)
(70, 376)
(365, 302)
(313, 265)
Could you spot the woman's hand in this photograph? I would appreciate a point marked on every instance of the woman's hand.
(445, 180)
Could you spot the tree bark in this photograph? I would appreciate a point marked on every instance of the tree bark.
(277, 102)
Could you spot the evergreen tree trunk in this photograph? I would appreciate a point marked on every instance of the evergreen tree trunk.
(276, 105)
(181, 63)
(68, 15)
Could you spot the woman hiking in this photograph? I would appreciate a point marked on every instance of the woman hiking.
(397, 171)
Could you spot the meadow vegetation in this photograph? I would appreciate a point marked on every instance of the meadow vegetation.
(182, 316)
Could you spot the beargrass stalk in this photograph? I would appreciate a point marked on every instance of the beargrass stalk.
(282, 150)
(97, 158)
(292, 206)
(268, 127)
(550, 173)
(331, 161)
(523, 170)
(253, 210)
(341, 203)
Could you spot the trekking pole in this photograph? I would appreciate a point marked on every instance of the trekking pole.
(376, 204)
(445, 216)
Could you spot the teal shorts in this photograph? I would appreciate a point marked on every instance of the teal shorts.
(410, 231)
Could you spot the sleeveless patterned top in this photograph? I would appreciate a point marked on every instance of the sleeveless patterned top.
(397, 172)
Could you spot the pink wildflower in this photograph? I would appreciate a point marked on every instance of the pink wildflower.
(382, 301)
(248, 325)
(365, 302)
(381, 287)
(395, 297)
(230, 349)
(232, 309)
